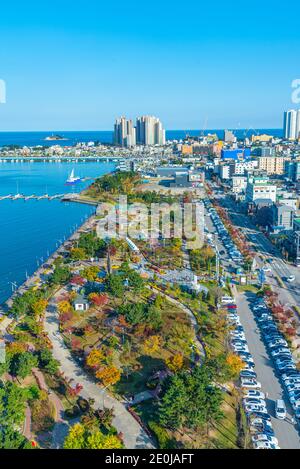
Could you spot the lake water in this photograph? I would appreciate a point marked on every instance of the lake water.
(31, 231)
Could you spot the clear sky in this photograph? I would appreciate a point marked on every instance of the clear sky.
(75, 65)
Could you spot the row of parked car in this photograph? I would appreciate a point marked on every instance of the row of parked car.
(262, 433)
(231, 248)
(281, 356)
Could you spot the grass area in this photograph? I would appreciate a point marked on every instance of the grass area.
(247, 288)
(225, 434)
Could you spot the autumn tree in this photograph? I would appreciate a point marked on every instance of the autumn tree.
(152, 345)
(109, 375)
(175, 362)
(235, 364)
(95, 358)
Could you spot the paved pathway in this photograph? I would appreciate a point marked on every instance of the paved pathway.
(134, 436)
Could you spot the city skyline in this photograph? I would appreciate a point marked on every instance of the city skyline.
(82, 67)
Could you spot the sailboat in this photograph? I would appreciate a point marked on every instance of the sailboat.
(72, 179)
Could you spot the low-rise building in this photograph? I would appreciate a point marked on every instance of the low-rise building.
(258, 187)
(282, 218)
(239, 183)
(271, 164)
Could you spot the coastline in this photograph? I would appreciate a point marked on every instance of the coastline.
(31, 280)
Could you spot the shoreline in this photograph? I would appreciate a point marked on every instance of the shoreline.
(30, 281)
(36, 275)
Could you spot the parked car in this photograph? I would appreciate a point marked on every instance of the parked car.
(250, 383)
(264, 437)
(265, 445)
(254, 393)
(280, 409)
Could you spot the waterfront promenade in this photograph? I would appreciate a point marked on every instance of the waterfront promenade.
(134, 435)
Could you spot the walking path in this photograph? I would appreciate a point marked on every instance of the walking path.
(190, 314)
(134, 436)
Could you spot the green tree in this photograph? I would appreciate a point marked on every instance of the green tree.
(174, 403)
(115, 285)
(22, 364)
(12, 439)
(12, 404)
(60, 276)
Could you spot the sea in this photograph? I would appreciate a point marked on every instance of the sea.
(30, 231)
(106, 136)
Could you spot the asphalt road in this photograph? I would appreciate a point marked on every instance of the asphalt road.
(286, 433)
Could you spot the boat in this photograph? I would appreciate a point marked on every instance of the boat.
(72, 179)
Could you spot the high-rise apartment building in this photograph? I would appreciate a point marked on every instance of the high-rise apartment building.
(291, 124)
(124, 132)
(149, 131)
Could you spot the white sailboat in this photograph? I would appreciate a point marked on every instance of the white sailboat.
(72, 179)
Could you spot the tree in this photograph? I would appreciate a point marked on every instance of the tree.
(109, 375)
(12, 439)
(76, 437)
(173, 403)
(134, 313)
(64, 307)
(81, 437)
(153, 317)
(60, 276)
(99, 441)
(77, 280)
(22, 364)
(115, 285)
(152, 345)
(78, 254)
(47, 362)
(12, 404)
(98, 299)
(95, 358)
(39, 306)
(91, 244)
(90, 273)
(175, 362)
(135, 281)
(235, 364)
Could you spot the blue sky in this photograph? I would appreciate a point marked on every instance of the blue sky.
(78, 65)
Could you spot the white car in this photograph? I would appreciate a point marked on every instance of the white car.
(280, 409)
(290, 381)
(227, 299)
(278, 342)
(254, 393)
(255, 408)
(250, 383)
(264, 437)
(253, 401)
(265, 445)
(281, 350)
(290, 278)
(266, 269)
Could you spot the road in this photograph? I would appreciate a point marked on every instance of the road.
(285, 431)
(263, 246)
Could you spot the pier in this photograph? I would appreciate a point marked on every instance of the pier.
(63, 197)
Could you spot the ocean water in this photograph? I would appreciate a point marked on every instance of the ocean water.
(106, 136)
(31, 231)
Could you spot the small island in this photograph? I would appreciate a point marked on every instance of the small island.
(55, 137)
